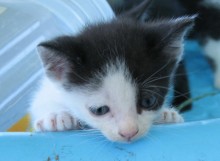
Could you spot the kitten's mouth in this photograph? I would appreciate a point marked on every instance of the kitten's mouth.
(123, 140)
(129, 141)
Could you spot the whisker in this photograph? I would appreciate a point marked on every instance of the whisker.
(159, 70)
(156, 79)
(89, 139)
(168, 88)
(77, 75)
(150, 91)
(150, 137)
(87, 132)
(147, 81)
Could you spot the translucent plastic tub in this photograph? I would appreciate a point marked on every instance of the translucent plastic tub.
(23, 24)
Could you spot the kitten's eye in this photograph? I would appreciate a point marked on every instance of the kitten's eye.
(148, 103)
(100, 110)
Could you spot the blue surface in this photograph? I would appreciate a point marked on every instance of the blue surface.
(196, 140)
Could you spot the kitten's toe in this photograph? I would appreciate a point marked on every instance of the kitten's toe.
(38, 126)
(48, 123)
(169, 115)
(65, 122)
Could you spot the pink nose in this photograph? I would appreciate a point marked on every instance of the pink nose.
(128, 134)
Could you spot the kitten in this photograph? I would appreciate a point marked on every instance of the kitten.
(114, 76)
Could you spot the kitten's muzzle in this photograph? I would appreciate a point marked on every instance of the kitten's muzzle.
(128, 135)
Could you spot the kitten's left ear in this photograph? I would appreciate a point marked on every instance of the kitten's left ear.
(168, 35)
(175, 35)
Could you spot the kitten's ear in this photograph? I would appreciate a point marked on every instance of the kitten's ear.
(54, 62)
(139, 12)
(172, 34)
(180, 26)
(178, 32)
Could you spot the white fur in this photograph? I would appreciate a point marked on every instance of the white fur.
(212, 50)
(56, 109)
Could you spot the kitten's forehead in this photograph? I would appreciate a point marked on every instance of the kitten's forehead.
(119, 87)
(129, 41)
(102, 47)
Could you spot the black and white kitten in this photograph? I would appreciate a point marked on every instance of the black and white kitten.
(114, 76)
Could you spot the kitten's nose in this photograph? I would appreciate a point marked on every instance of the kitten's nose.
(128, 134)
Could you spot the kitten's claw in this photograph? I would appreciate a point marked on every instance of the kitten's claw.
(56, 122)
(169, 115)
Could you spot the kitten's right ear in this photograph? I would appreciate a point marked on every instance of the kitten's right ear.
(54, 62)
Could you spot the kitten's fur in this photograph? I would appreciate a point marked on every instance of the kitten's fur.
(121, 64)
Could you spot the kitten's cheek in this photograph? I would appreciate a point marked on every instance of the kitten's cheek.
(143, 131)
(111, 136)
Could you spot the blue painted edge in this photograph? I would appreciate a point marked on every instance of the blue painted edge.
(190, 141)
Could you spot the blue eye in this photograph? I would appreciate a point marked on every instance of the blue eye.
(148, 103)
(100, 110)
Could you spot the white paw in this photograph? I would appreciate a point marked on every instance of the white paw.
(56, 122)
(169, 115)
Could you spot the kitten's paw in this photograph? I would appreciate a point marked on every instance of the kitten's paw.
(56, 122)
(169, 115)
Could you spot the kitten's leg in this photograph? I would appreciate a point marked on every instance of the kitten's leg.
(168, 115)
(212, 50)
(48, 114)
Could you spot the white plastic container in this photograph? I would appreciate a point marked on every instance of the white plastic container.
(25, 23)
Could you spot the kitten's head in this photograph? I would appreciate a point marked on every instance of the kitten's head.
(115, 75)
